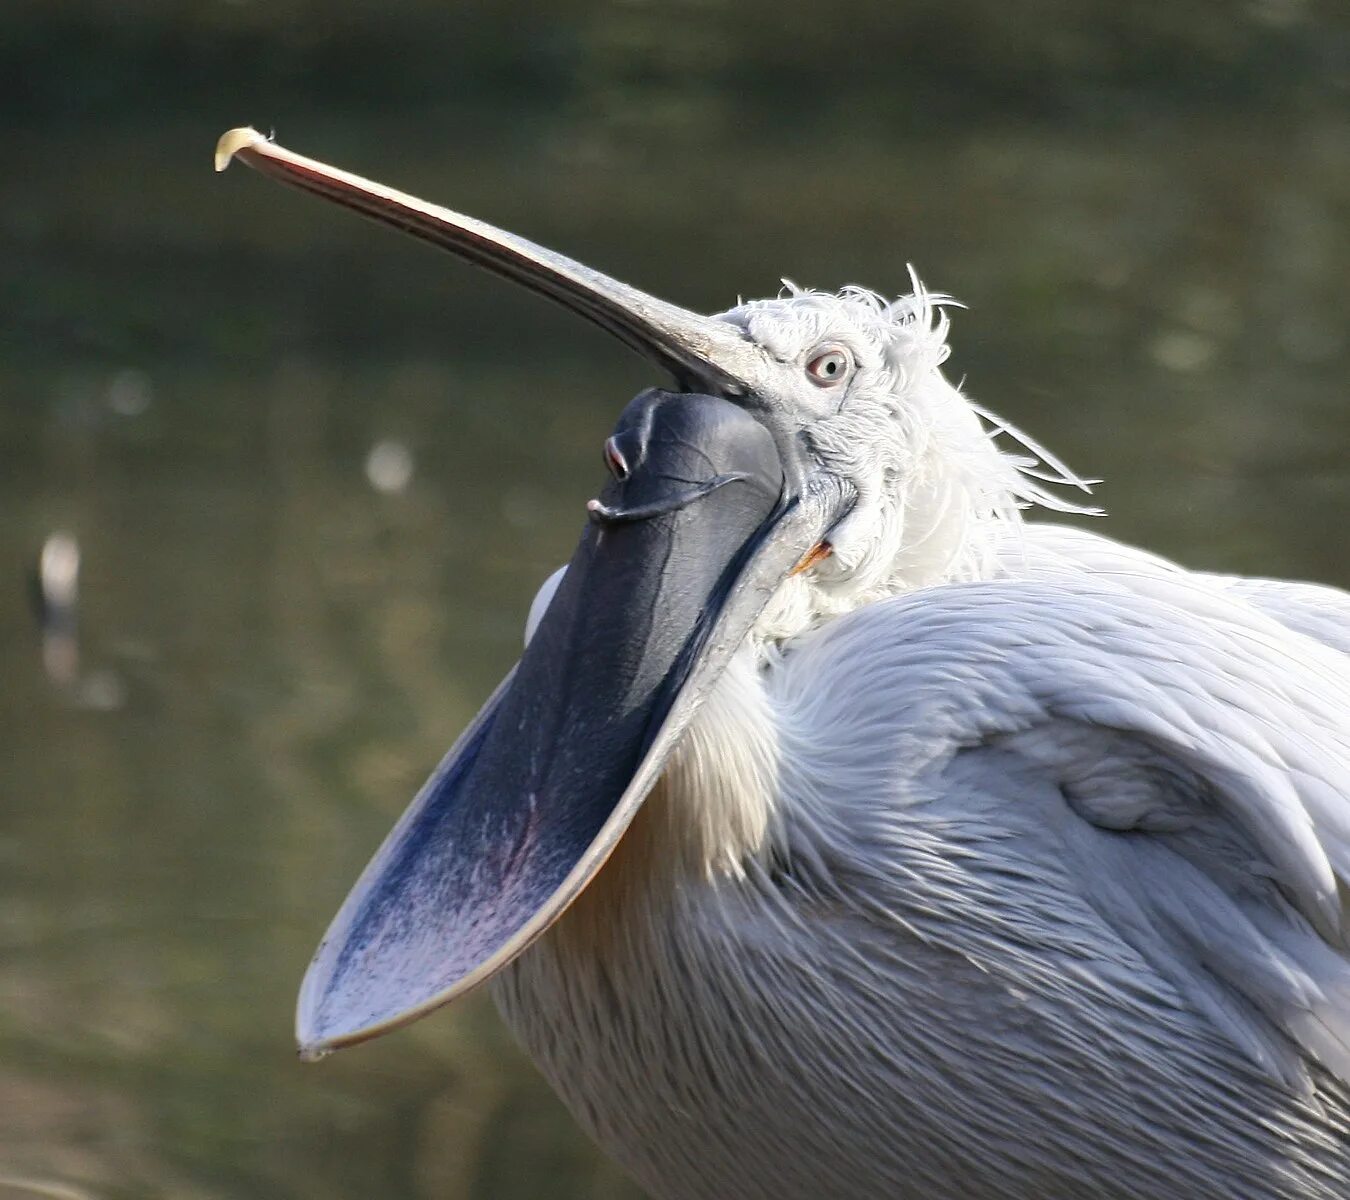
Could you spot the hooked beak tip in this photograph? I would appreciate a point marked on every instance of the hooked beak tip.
(311, 1052)
(233, 141)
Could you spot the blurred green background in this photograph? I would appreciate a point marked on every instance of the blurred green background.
(316, 473)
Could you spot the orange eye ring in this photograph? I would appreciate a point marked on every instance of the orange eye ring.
(830, 367)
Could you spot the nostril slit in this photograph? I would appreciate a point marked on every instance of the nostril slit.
(615, 461)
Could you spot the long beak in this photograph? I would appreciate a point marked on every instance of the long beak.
(709, 507)
(698, 351)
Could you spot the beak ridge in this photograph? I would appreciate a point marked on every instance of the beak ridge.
(698, 351)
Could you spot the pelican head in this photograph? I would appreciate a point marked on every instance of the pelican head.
(932, 492)
(809, 457)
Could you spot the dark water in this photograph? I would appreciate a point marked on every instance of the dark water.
(315, 474)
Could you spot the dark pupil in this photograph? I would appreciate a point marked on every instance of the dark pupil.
(831, 366)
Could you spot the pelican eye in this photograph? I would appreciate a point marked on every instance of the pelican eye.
(830, 367)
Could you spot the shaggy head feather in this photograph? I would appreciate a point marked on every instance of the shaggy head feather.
(935, 494)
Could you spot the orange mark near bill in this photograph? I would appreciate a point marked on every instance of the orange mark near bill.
(817, 553)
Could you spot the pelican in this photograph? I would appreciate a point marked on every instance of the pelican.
(842, 833)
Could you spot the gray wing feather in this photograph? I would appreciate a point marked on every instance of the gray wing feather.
(1311, 609)
(1201, 746)
(1314, 610)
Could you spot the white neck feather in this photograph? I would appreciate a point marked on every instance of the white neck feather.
(716, 804)
(713, 813)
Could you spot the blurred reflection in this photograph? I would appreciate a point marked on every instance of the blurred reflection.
(16, 1186)
(129, 393)
(389, 466)
(57, 594)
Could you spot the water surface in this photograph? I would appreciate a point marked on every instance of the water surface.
(316, 474)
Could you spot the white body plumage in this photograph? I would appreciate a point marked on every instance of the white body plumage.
(1003, 861)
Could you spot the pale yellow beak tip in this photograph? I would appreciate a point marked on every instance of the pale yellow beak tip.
(233, 141)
